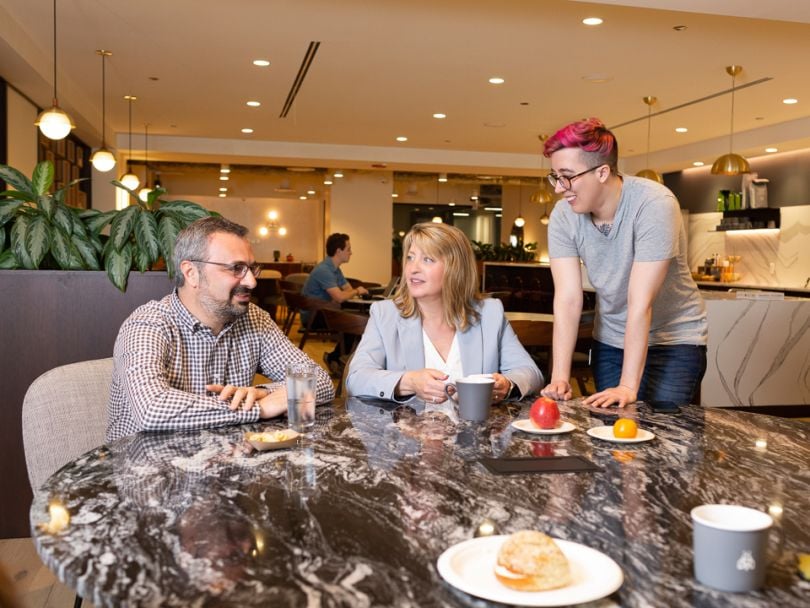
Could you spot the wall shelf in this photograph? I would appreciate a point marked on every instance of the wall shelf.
(759, 218)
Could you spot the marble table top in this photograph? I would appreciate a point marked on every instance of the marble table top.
(359, 512)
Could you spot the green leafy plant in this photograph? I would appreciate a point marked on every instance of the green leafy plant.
(143, 234)
(37, 228)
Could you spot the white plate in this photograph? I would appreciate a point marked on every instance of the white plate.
(606, 433)
(528, 426)
(469, 566)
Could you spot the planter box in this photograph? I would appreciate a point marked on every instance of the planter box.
(50, 318)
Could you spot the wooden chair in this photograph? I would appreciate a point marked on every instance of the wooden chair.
(345, 324)
(297, 303)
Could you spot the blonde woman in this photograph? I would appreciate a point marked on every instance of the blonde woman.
(438, 327)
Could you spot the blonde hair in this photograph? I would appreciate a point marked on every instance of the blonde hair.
(460, 294)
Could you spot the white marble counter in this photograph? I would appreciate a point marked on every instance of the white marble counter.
(758, 352)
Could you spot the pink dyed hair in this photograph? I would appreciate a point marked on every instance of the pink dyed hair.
(591, 136)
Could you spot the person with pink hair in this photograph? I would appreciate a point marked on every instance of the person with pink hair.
(650, 329)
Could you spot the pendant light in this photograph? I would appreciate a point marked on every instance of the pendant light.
(543, 195)
(103, 160)
(731, 164)
(519, 220)
(649, 173)
(130, 180)
(143, 194)
(54, 123)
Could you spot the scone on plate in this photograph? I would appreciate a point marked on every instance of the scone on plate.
(531, 561)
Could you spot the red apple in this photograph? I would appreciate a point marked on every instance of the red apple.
(542, 449)
(545, 413)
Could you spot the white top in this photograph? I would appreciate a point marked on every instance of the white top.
(433, 360)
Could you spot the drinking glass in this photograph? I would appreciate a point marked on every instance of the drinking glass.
(301, 379)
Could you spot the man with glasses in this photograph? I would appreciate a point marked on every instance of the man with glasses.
(188, 360)
(650, 329)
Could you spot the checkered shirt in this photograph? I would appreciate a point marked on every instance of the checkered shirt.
(164, 357)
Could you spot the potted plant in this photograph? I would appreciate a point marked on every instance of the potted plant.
(39, 231)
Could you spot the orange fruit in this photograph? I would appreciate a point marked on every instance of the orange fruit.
(624, 428)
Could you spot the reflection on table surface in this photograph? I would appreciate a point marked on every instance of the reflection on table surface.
(358, 513)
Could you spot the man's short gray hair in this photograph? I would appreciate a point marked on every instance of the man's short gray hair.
(192, 242)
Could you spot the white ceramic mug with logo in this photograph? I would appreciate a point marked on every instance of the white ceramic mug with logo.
(730, 544)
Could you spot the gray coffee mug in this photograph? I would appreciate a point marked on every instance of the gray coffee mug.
(474, 396)
(730, 544)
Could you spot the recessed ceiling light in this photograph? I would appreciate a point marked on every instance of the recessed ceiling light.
(223, 189)
(402, 138)
(224, 178)
(592, 21)
(771, 150)
(496, 80)
(338, 173)
(303, 197)
(439, 115)
(247, 130)
(451, 204)
(681, 129)
(790, 101)
(394, 195)
(224, 168)
(262, 63)
(310, 192)
(222, 195)
(253, 104)
(698, 163)
(327, 182)
(442, 177)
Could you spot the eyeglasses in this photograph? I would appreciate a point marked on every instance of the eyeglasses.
(239, 269)
(565, 180)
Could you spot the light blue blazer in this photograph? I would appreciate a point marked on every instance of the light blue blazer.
(392, 345)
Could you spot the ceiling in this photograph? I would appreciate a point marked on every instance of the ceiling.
(384, 68)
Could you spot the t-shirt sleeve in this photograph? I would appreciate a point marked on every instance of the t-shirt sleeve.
(561, 233)
(341, 280)
(657, 230)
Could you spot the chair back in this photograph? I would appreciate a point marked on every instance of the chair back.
(296, 302)
(297, 277)
(345, 324)
(532, 333)
(64, 415)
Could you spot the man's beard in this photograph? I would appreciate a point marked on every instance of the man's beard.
(226, 311)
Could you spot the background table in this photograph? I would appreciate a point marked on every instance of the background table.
(358, 514)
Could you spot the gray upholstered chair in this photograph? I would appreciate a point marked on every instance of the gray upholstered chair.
(64, 415)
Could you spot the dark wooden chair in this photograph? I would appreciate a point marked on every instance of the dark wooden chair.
(345, 324)
(297, 303)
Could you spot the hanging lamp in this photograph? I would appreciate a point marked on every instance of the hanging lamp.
(54, 122)
(103, 160)
(519, 220)
(143, 193)
(130, 180)
(543, 196)
(731, 164)
(649, 173)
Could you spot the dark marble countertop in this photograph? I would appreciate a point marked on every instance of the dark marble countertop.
(359, 512)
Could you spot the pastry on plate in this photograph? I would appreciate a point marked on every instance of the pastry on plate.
(531, 561)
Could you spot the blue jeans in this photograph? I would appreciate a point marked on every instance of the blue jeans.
(671, 373)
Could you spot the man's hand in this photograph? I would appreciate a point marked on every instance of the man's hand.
(558, 390)
(246, 396)
(620, 395)
(274, 404)
(361, 290)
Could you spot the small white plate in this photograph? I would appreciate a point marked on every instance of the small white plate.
(527, 426)
(606, 434)
(469, 566)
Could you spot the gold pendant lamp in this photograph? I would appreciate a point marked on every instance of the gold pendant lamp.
(649, 173)
(731, 164)
(103, 160)
(130, 180)
(543, 195)
(54, 122)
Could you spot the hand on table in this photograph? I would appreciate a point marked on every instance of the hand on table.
(246, 396)
(620, 395)
(558, 390)
(361, 290)
(427, 384)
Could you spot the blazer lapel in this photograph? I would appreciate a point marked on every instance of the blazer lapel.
(471, 345)
(410, 336)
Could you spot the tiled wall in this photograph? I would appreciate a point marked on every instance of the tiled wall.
(787, 249)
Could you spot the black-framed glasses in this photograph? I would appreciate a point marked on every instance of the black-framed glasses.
(239, 269)
(565, 180)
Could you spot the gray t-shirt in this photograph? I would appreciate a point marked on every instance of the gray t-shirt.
(647, 227)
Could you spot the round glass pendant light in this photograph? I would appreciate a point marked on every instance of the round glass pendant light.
(54, 122)
(103, 160)
(130, 180)
(731, 163)
(143, 193)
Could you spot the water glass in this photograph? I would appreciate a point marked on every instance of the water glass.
(301, 379)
